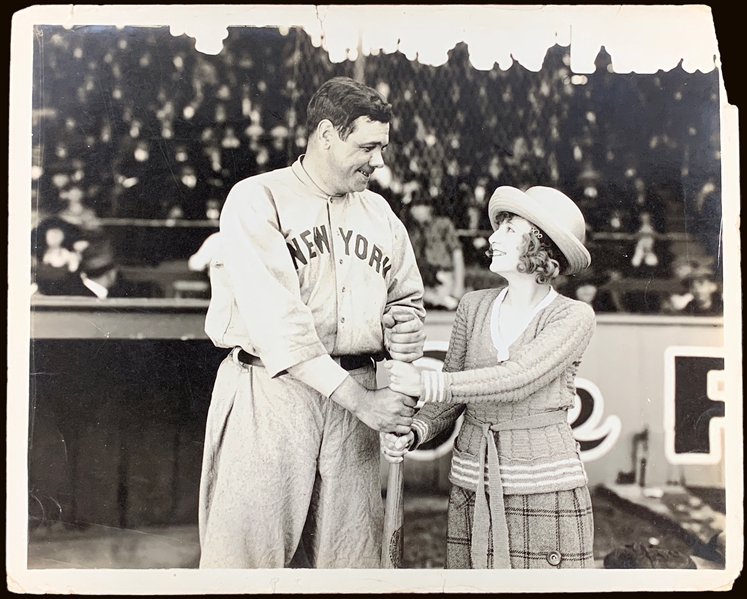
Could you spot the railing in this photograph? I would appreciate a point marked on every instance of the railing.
(168, 222)
(184, 318)
(214, 224)
(595, 236)
(174, 267)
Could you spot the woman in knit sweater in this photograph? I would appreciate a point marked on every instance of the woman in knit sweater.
(519, 497)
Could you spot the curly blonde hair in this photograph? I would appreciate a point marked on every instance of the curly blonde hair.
(539, 254)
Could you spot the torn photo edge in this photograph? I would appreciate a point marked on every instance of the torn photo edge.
(20, 579)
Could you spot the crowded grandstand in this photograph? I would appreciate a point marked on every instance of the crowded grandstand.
(138, 137)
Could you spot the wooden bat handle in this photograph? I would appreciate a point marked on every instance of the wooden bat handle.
(392, 545)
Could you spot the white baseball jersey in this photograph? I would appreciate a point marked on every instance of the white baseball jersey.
(300, 274)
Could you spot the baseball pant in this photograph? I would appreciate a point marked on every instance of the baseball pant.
(289, 478)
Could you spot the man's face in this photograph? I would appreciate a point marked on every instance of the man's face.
(351, 161)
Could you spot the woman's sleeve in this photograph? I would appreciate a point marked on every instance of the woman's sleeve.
(433, 419)
(559, 344)
(457, 350)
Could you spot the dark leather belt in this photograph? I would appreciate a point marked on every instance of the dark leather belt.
(347, 362)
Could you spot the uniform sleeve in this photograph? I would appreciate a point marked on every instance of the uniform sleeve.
(559, 344)
(404, 283)
(264, 281)
(321, 373)
(432, 419)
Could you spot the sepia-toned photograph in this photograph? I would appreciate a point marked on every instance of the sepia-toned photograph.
(326, 298)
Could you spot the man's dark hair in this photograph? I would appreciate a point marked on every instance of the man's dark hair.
(342, 100)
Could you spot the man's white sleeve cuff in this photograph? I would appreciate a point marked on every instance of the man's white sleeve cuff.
(321, 373)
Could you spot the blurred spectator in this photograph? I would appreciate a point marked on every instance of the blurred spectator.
(187, 197)
(55, 253)
(644, 248)
(701, 294)
(212, 209)
(594, 289)
(76, 213)
(166, 131)
(100, 275)
(56, 248)
(706, 297)
(707, 219)
(90, 269)
(439, 254)
(651, 200)
(135, 196)
(278, 150)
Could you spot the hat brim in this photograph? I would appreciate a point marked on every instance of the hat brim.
(510, 199)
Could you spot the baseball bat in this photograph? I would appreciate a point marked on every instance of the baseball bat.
(392, 545)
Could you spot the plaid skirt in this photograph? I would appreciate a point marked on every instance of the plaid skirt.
(545, 530)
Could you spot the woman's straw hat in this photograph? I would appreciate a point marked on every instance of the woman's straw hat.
(553, 212)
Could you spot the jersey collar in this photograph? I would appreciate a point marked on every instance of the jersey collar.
(308, 182)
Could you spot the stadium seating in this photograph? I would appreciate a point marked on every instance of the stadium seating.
(141, 134)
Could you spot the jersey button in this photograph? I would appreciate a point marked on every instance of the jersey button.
(553, 558)
(342, 319)
(343, 290)
(340, 260)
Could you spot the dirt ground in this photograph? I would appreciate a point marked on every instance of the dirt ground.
(614, 526)
(617, 523)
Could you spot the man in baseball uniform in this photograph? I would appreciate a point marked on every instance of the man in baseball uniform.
(313, 280)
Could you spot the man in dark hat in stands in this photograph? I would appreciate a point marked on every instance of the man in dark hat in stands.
(101, 276)
(703, 293)
(98, 276)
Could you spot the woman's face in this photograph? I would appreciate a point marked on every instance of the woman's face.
(54, 238)
(505, 244)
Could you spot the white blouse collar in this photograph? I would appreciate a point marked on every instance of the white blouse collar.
(501, 345)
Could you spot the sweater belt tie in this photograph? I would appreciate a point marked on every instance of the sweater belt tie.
(492, 509)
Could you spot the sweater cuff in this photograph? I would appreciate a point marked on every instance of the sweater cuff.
(433, 388)
(420, 429)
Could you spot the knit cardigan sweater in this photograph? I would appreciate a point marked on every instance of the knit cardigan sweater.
(538, 377)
